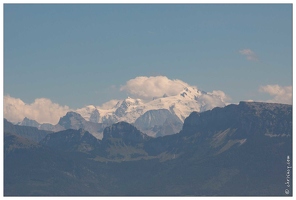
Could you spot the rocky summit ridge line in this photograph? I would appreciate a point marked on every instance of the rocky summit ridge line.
(188, 100)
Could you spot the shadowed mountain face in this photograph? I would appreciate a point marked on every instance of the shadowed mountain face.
(249, 118)
(124, 131)
(31, 169)
(159, 123)
(71, 140)
(75, 121)
(237, 150)
(28, 132)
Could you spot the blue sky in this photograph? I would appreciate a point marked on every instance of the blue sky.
(77, 55)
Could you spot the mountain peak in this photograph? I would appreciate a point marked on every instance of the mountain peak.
(73, 120)
(72, 114)
(125, 105)
(70, 139)
(70, 119)
(29, 122)
(189, 99)
(190, 90)
(95, 116)
(125, 131)
(26, 119)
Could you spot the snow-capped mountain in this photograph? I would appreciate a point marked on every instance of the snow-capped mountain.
(128, 110)
(158, 117)
(86, 111)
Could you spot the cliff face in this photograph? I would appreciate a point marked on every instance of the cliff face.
(248, 118)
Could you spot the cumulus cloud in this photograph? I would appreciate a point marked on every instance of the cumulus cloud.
(280, 94)
(250, 55)
(220, 94)
(146, 88)
(42, 110)
(210, 100)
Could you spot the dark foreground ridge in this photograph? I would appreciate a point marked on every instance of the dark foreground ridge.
(237, 150)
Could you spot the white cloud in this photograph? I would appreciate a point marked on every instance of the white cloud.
(109, 104)
(146, 88)
(220, 94)
(250, 55)
(280, 94)
(42, 110)
(217, 98)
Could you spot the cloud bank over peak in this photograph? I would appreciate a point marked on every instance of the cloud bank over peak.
(42, 110)
(147, 88)
(221, 95)
(280, 94)
(109, 104)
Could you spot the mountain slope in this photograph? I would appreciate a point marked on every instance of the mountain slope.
(181, 105)
(168, 112)
(71, 140)
(236, 150)
(75, 121)
(136, 110)
(160, 122)
(31, 169)
(45, 126)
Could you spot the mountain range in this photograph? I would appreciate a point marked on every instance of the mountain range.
(236, 150)
(188, 100)
(158, 117)
(71, 120)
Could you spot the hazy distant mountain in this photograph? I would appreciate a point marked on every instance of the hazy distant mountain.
(236, 150)
(74, 120)
(28, 132)
(29, 122)
(45, 126)
(71, 120)
(158, 123)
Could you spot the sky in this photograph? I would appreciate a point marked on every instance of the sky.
(70, 56)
